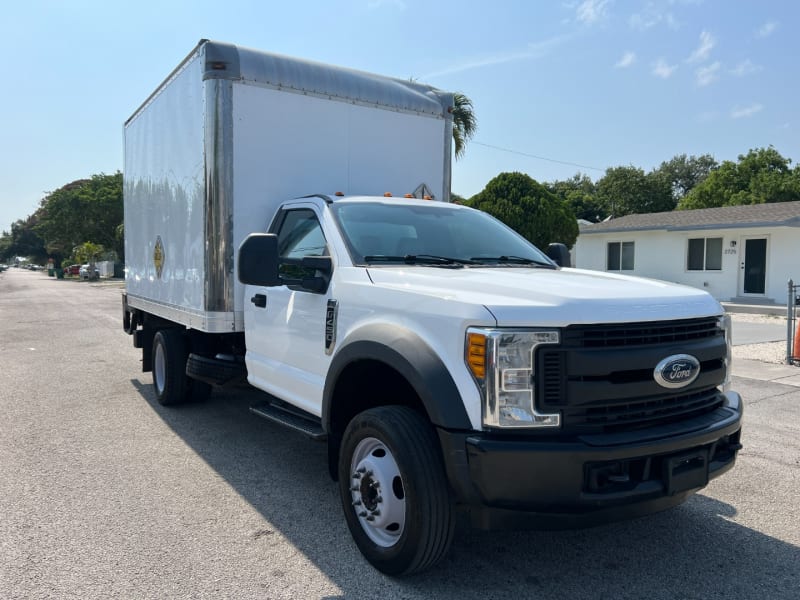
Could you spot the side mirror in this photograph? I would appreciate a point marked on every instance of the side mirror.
(559, 254)
(258, 260)
(309, 274)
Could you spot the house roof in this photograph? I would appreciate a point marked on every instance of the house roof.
(785, 214)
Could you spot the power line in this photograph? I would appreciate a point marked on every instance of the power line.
(552, 160)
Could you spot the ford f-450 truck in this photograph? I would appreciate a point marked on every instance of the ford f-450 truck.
(288, 224)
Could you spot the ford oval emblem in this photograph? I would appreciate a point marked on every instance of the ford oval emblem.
(677, 371)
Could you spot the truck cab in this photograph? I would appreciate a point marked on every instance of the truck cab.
(546, 404)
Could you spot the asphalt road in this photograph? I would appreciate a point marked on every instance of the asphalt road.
(106, 494)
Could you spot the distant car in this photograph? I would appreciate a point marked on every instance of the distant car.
(72, 270)
(83, 272)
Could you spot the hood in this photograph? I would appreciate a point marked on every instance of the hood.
(532, 297)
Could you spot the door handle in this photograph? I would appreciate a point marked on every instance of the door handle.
(260, 300)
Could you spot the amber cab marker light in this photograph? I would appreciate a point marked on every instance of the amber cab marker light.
(408, 196)
(387, 194)
(339, 194)
(476, 354)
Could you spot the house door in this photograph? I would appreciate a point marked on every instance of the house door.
(754, 266)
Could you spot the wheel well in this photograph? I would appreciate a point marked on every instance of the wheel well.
(144, 327)
(365, 384)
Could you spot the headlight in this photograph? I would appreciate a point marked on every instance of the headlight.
(724, 323)
(501, 361)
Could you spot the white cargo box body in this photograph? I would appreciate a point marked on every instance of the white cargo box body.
(234, 132)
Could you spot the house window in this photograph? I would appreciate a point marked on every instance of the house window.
(705, 254)
(620, 256)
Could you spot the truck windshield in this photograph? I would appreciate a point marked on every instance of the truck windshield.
(433, 234)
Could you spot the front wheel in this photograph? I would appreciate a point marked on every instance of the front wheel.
(394, 490)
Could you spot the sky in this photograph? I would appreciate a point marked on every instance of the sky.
(558, 88)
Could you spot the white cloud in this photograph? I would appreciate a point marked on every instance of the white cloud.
(702, 52)
(662, 69)
(650, 16)
(591, 11)
(533, 51)
(746, 111)
(767, 29)
(746, 67)
(708, 75)
(626, 61)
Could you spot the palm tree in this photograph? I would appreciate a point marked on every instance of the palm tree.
(464, 122)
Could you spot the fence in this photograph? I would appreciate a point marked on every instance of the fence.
(792, 330)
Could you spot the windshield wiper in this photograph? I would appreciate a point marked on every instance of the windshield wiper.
(513, 260)
(420, 259)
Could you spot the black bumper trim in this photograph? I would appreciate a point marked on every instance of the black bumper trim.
(513, 480)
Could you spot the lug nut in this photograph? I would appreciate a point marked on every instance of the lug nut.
(370, 518)
(361, 470)
(362, 514)
(356, 502)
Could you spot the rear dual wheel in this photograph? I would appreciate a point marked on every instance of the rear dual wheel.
(172, 385)
(394, 490)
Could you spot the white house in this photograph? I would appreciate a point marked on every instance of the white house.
(739, 253)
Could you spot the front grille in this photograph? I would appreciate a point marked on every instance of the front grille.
(630, 415)
(601, 376)
(640, 334)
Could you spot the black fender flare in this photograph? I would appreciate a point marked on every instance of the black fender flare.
(414, 359)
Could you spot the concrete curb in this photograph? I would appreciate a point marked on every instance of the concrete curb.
(755, 369)
(755, 309)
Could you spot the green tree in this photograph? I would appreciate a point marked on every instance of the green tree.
(580, 194)
(23, 240)
(465, 124)
(628, 190)
(89, 252)
(684, 173)
(529, 208)
(86, 209)
(760, 176)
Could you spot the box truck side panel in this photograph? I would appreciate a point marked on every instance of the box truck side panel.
(287, 145)
(165, 196)
(395, 152)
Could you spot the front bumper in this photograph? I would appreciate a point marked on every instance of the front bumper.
(506, 480)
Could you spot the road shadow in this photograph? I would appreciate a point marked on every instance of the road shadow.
(695, 551)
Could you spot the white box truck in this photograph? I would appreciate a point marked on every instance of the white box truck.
(449, 365)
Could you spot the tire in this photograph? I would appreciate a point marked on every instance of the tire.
(394, 490)
(170, 382)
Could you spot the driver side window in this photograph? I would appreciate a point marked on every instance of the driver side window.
(299, 235)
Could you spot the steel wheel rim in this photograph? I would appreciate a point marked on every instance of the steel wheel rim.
(377, 492)
(159, 369)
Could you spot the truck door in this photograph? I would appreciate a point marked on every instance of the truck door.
(285, 328)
